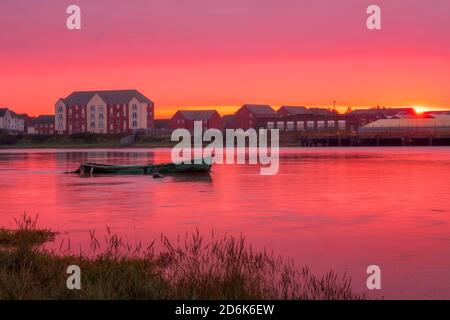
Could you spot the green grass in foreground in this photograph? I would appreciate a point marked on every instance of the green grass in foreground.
(190, 268)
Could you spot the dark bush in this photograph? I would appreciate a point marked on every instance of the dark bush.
(9, 139)
(40, 138)
(86, 137)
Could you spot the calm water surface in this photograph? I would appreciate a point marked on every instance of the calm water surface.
(340, 209)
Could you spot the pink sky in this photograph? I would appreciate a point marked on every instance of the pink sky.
(227, 52)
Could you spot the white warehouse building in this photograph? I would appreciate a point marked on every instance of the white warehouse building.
(438, 124)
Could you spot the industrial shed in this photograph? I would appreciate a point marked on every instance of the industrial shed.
(438, 124)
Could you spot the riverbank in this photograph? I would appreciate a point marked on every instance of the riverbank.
(191, 268)
(92, 141)
(80, 141)
(286, 139)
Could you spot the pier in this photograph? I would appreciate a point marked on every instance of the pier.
(333, 139)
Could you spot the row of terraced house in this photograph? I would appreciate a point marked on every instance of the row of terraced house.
(15, 123)
(286, 118)
(114, 111)
(125, 111)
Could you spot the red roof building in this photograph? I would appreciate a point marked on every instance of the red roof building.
(254, 116)
(186, 118)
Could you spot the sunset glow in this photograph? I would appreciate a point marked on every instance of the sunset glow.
(226, 53)
(422, 109)
(224, 159)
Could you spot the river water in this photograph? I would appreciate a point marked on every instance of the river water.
(328, 208)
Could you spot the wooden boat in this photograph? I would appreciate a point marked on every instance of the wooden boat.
(89, 168)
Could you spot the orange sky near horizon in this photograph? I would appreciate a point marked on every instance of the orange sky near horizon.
(219, 54)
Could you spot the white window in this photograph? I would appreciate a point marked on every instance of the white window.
(280, 125)
(290, 125)
(341, 124)
(320, 125)
(331, 124)
(300, 125)
(310, 125)
(270, 125)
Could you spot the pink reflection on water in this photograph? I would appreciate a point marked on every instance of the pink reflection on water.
(340, 209)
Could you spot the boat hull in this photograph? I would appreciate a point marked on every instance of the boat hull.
(165, 168)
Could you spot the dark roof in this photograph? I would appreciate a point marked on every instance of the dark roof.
(295, 109)
(320, 111)
(44, 119)
(109, 96)
(14, 114)
(24, 116)
(262, 109)
(3, 111)
(197, 114)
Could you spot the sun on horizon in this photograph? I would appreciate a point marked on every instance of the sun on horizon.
(422, 109)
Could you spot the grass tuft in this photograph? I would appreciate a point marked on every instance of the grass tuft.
(192, 267)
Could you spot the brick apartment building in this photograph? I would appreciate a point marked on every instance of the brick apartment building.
(113, 111)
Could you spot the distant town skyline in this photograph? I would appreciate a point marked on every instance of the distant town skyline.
(168, 111)
(223, 54)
